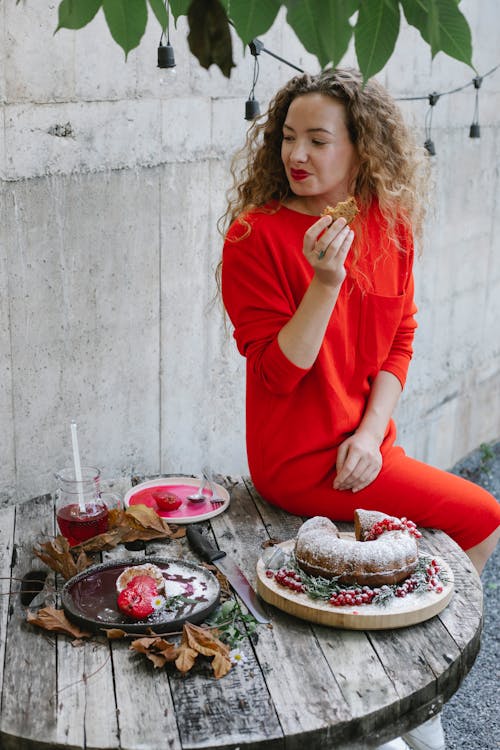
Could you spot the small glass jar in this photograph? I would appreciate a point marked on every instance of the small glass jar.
(81, 510)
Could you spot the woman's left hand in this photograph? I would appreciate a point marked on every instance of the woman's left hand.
(359, 461)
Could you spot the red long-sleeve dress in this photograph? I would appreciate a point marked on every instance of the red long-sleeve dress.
(296, 418)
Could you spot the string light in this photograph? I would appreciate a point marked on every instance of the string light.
(166, 57)
(429, 143)
(256, 47)
(475, 131)
(252, 107)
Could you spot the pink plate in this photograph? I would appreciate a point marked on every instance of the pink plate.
(187, 512)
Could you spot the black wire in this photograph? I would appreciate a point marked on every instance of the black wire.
(398, 99)
(428, 122)
(282, 59)
(446, 93)
(167, 8)
(255, 77)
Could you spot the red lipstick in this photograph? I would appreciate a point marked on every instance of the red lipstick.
(298, 174)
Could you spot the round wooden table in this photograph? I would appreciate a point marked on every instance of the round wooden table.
(302, 685)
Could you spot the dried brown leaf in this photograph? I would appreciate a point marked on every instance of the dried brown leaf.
(221, 664)
(142, 644)
(114, 633)
(204, 641)
(186, 658)
(158, 644)
(101, 542)
(146, 518)
(136, 523)
(157, 659)
(168, 650)
(56, 554)
(115, 516)
(82, 561)
(55, 620)
(177, 532)
(157, 650)
(149, 524)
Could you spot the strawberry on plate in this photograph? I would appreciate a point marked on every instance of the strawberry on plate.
(166, 500)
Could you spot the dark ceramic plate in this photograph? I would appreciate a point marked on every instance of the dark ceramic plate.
(89, 598)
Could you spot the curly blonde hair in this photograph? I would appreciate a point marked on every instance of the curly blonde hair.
(391, 165)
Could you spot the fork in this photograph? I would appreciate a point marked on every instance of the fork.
(216, 500)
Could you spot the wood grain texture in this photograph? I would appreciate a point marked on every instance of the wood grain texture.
(302, 686)
(29, 690)
(6, 548)
(287, 652)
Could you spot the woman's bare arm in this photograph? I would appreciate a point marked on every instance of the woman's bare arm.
(300, 339)
(359, 459)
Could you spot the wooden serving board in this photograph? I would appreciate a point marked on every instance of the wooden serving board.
(399, 613)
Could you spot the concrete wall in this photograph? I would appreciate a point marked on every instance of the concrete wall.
(113, 176)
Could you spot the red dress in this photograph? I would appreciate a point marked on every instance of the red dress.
(296, 418)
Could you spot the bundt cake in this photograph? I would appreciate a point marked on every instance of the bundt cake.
(389, 557)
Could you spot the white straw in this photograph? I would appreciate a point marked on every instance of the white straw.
(78, 466)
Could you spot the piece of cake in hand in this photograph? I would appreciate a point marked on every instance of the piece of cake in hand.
(347, 209)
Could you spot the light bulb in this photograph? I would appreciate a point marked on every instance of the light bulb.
(167, 75)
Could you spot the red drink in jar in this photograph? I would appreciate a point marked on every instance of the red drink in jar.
(78, 526)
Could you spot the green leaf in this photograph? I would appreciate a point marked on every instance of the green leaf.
(209, 37)
(75, 14)
(375, 34)
(227, 609)
(323, 26)
(179, 7)
(251, 17)
(442, 25)
(306, 17)
(335, 29)
(423, 16)
(160, 11)
(127, 21)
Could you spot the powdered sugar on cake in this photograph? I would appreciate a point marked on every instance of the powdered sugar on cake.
(391, 557)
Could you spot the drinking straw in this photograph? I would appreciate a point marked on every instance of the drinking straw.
(78, 466)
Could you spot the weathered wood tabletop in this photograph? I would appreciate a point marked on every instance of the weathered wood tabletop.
(301, 686)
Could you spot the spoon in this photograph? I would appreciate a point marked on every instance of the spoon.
(199, 496)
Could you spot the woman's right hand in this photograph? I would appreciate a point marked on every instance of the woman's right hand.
(301, 337)
(326, 246)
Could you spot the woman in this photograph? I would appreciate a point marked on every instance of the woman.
(324, 312)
